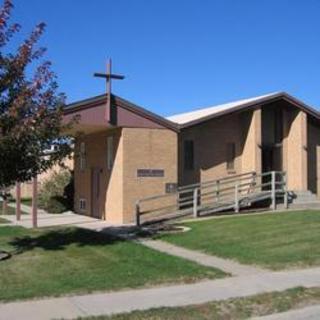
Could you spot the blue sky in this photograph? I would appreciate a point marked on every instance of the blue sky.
(178, 55)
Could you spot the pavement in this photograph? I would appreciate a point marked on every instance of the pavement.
(307, 313)
(226, 265)
(53, 220)
(71, 307)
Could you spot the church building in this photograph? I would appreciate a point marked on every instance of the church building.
(124, 152)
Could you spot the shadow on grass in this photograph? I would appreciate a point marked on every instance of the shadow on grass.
(61, 239)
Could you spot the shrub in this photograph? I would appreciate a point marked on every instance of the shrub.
(56, 193)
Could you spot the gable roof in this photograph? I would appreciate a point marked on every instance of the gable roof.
(195, 117)
(188, 119)
(125, 104)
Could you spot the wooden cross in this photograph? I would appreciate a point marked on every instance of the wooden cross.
(109, 76)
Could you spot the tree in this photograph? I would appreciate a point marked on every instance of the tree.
(31, 109)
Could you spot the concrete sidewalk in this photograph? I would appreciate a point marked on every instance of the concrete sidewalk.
(25, 208)
(226, 265)
(46, 219)
(53, 220)
(141, 299)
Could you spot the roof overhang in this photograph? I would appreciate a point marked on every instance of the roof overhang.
(93, 115)
(256, 104)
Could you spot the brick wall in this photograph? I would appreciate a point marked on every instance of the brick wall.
(295, 149)
(210, 147)
(147, 149)
(313, 157)
(96, 157)
(134, 148)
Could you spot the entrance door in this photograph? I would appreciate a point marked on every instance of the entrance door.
(271, 161)
(95, 192)
(267, 156)
(272, 158)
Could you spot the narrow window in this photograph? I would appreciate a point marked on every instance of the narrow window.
(110, 155)
(82, 156)
(231, 155)
(188, 155)
(82, 204)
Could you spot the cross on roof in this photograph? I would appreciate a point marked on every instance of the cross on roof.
(109, 76)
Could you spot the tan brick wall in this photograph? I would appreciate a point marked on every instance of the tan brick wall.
(313, 157)
(96, 157)
(295, 150)
(210, 141)
(115, 183)
(210, 147)
(146, 149)
(251, 151)
(134, 149)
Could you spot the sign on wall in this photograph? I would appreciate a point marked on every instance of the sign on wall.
(158, 173)
(171, 187)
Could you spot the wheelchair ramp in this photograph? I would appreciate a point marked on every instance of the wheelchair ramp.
(209, 197)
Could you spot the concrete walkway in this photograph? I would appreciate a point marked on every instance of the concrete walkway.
(307, 313)
(52, 220)
(141, 299)
(225, 265)
(25, 208)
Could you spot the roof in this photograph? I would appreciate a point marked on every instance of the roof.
(101, 99)
(186, 117)
(184, 120)
(200, 115)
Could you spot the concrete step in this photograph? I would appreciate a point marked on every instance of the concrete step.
(302, 197)
(301, 192)
(300, 206)
(306, 205)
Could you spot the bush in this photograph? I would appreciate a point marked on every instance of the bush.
(56, 193)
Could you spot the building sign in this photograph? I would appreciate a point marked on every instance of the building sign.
(158, 173)
(171, 187)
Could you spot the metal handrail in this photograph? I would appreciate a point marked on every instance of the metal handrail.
(237, 187)
(196, 185)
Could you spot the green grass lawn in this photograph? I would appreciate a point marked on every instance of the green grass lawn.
(53, 262)
(276, 240)
(236, 309)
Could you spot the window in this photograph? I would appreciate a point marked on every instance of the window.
(82, 204)
(110, 156)
(231, 155)
(188, 155)
(82, 156)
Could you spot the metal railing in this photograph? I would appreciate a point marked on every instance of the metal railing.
(229, 193)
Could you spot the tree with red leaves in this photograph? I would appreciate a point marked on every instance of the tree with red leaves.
(31, 109)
